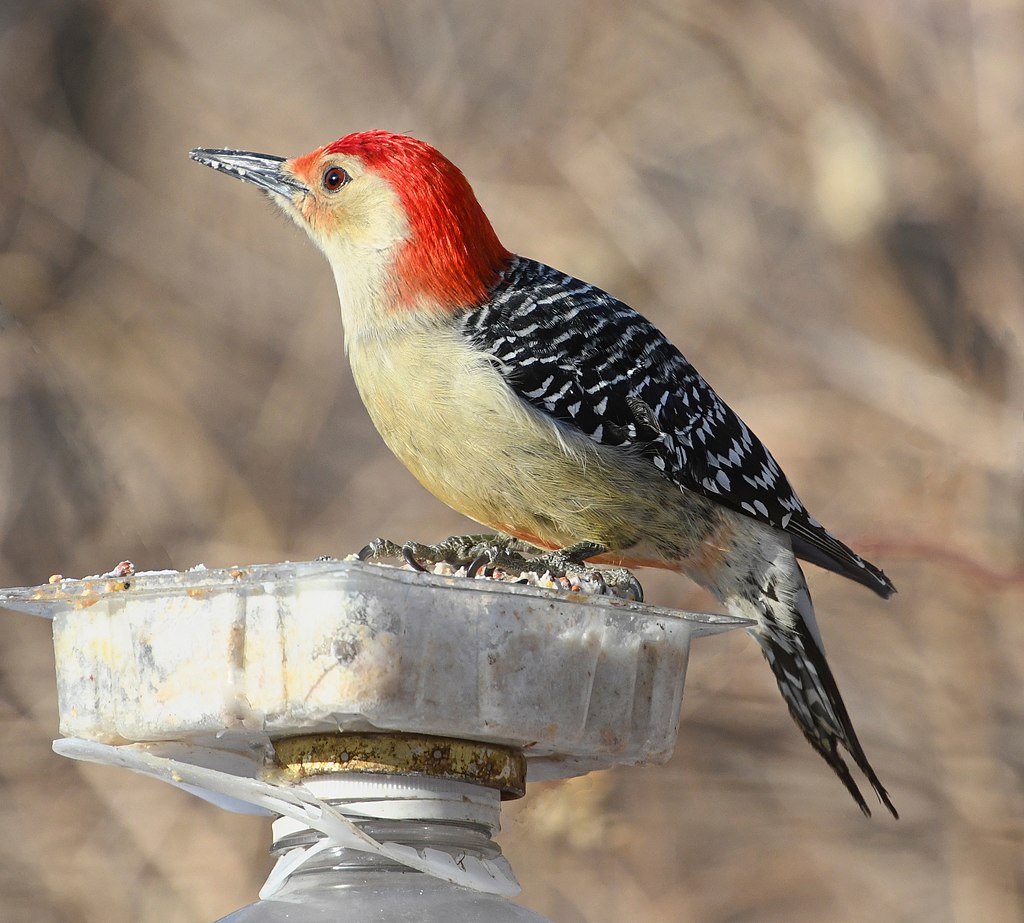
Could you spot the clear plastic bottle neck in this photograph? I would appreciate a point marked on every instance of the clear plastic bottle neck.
(430, 824)
(457, 838)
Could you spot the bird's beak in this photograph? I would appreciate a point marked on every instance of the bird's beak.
(263, 170)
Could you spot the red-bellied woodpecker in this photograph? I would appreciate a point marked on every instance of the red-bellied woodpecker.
(548, 410)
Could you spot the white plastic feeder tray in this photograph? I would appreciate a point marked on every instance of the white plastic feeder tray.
(231, 659)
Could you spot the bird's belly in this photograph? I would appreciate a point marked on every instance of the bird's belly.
(450, 418)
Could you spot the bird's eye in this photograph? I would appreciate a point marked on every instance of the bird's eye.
(335, 178)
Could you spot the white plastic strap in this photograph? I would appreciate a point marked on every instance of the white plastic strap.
(290, 862)
(491, 876)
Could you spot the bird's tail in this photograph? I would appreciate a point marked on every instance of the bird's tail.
(789, 639)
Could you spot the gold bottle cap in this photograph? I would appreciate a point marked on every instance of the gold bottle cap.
(489, 765)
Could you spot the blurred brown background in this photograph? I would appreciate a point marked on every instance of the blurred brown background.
(821, 203)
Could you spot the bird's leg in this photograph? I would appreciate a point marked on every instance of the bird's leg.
(562, 559)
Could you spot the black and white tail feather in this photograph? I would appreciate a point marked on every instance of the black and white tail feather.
(791, 643)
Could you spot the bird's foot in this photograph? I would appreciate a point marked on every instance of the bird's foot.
(490, 555)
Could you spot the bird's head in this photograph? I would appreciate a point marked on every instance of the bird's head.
(392, 214)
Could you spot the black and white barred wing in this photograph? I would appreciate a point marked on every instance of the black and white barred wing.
(591, 362)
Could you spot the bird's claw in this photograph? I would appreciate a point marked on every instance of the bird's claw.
(569, 563)
(410, 552)
(378, 549)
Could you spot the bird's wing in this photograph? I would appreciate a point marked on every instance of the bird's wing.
(592, 363)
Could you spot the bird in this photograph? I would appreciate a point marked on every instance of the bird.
(548, 410)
